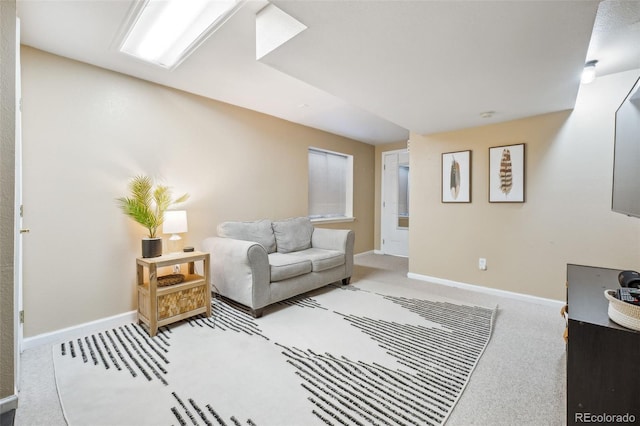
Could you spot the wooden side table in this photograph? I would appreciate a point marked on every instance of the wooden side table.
(158, 306)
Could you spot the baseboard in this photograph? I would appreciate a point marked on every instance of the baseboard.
(9, 403)
(78, 330)
(380, 252)
(364, 253)
(493, 291)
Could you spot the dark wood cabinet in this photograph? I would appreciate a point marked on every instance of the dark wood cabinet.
(603, 358)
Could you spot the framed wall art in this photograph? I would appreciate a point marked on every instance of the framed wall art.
(506, 174)
(456, 177)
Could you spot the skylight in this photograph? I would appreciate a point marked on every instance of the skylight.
(165, 32)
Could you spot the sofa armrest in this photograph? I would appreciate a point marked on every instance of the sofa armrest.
(336, 239)
(239, 270)
(331, 239)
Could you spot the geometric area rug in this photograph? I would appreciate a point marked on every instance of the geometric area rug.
(342, 355)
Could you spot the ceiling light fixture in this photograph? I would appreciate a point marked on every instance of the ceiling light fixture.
(166, 32)
(589, 72)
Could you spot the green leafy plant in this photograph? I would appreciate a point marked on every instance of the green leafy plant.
(148, 202)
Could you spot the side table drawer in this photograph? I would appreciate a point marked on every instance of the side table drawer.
(182, 301)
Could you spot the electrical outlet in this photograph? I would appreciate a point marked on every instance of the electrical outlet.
(482, 264)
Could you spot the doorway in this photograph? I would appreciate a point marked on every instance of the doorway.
(395, 219)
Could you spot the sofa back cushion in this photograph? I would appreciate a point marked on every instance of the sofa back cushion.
(293, 234)
(259, 231)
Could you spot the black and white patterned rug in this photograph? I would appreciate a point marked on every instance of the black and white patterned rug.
(362, 354)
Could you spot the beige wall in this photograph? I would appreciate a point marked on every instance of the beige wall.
(378, 189)
(87, 130)
(7, 188)
(567, 215)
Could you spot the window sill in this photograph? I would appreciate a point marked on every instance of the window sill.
(320, 221)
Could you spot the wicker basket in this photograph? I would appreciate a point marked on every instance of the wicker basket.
(623, 313)
(172, 279)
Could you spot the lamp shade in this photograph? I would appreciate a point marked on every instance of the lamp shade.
(175, 222)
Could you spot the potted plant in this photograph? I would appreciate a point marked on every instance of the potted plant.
(146, 205)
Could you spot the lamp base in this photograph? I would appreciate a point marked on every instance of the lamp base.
(175, 244)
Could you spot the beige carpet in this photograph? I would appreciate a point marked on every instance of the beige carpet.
(521, 379)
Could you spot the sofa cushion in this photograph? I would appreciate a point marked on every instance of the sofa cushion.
(283, 266)
(321, 259)
(293, 234)
(259, 231)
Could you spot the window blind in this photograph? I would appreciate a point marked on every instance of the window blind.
(328, 180)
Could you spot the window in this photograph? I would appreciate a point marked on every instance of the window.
(330, 185)
(403, 190)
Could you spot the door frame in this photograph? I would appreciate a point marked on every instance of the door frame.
(382, 198)
(17, 245)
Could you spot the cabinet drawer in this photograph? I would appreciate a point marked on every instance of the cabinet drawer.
(182, 301)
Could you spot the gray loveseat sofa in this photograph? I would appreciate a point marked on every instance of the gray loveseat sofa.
(263, 262)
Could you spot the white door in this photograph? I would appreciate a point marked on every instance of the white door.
(395, 194)
(18, 215)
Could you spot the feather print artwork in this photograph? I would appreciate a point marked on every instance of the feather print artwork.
(506, 177)
(454, 180)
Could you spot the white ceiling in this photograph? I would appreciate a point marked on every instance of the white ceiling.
(373, 70)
